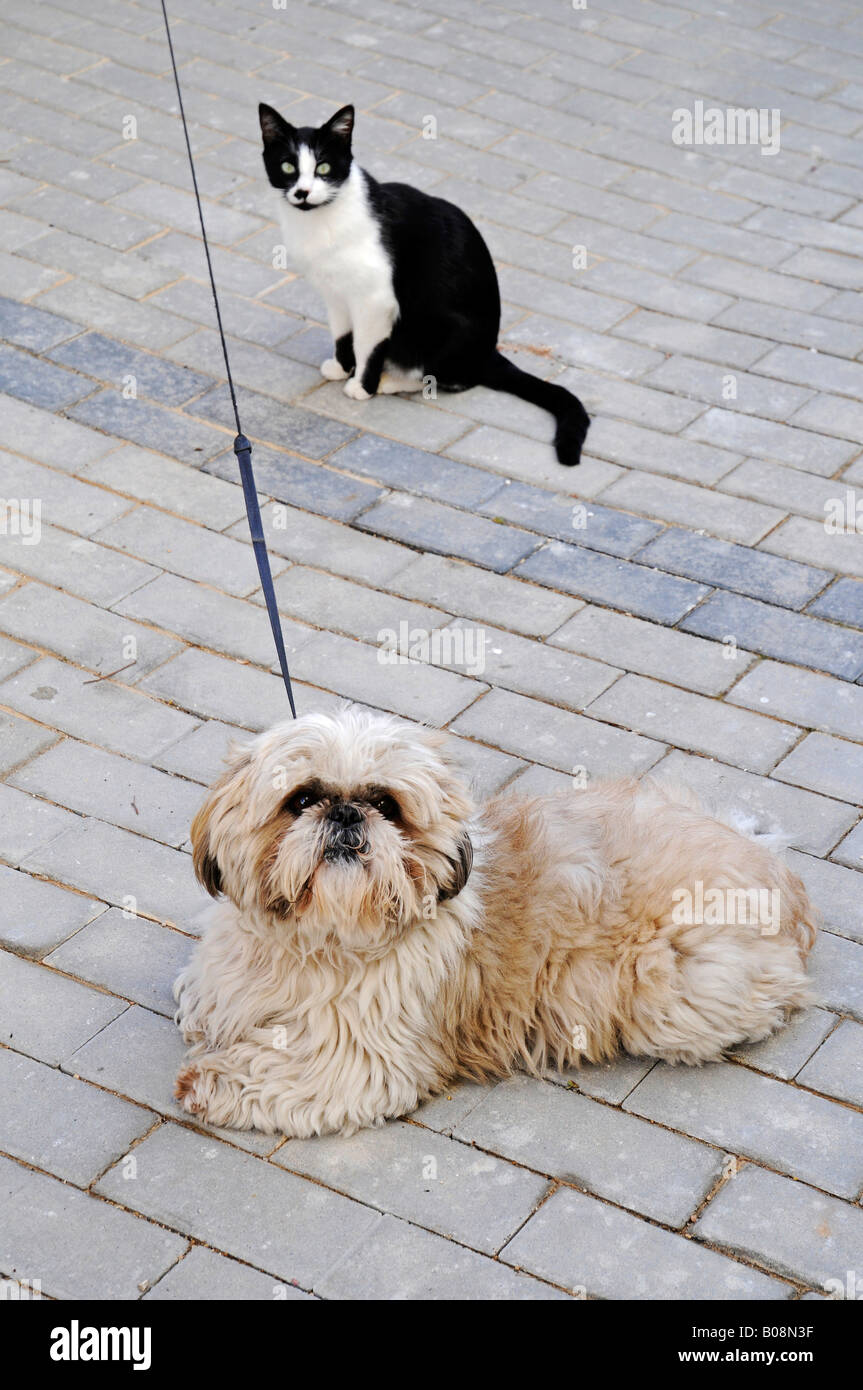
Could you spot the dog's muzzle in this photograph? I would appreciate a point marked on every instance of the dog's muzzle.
(345, 831)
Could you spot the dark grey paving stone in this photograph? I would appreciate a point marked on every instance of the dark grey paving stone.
(29, 327)
(736, 567)
(142, 422)
(565, 519)
(794, 637)
(311, 486)
(414, 470)
(286, 426)
(843, 602)
(38, 382)
(433, 526)
(616, 583)
(110, 361)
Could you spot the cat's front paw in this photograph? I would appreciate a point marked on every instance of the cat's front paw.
(332, 370)
(355, 389)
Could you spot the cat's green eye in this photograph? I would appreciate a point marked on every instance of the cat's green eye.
(288, 168)
(322, 169)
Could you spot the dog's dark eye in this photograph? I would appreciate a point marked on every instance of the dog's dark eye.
(385, 804)
(302, 800)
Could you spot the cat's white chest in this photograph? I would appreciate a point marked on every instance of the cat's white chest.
(338, 247)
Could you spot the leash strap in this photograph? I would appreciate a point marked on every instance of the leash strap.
(242, 447)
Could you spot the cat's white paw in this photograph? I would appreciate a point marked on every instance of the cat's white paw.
(355, 389)
(333, 370)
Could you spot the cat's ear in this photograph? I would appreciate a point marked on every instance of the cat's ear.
(273, 126)
(342, 123)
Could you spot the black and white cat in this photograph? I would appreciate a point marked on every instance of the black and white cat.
(409, 284)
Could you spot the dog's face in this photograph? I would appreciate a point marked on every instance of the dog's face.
(352, 824)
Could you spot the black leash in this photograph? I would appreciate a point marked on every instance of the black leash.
(242, 447)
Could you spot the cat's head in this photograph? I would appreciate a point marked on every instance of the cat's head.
(308, 164)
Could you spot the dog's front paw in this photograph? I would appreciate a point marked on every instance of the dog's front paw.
(332, 370)
(355, 389)
(188, 1090)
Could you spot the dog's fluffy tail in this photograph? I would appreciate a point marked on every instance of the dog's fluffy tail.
(572, 419)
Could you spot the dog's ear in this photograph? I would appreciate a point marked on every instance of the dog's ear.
(462, 863)
(207, 870)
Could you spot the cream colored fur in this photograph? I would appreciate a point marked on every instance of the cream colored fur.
(329, 993)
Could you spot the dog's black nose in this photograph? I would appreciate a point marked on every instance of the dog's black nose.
(344, 813)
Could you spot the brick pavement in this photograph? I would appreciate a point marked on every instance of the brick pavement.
(675, 606)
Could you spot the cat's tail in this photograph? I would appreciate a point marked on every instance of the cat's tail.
(573, 421)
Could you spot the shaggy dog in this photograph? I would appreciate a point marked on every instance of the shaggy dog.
(380, 936)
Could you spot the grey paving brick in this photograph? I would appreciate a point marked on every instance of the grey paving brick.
(200, 755)
(836, 1069)
(205, 1276)
(114, 363)
(576, 1139)
(778, 633)
(769, 439)
(326, 544)
(695, 722)
(400, 1261)
(559, 516)
(786, 1051)
(27, 326)
(734, 567)
(474, 593)
(308, 485)
(835, 967)
(485, 770)
(414, 470)
(576, 1241)
(608, 1081)
(835, 890)
(151, 426)
(128, 956)
(556, 737)
(825, 764)
(533, 668)
(50, 439)
(843, 602)
(81, 1247)
(20, 739)
(819, 370)
(95, 783)
(183, 548)
(241, 1209)
(78, 565)
(152, 478)
(82, 633)
(785, 1226)
(642, 404)
(139, 1055)
(443, 1112)
(651, 650)
(74, 505)
(115, 315)
(693, 339)
(213, 687)
(850, 851)
(39, 382)
(704, 381)
(61, 1125)
(810, 541)
(522, 449)
(800, 492)
(617, 583)
(680, 503)
(338, 605)
(125, 271)
(806, 698)
(582, 348)
(655, 452)
(432, 526)
(256, 321)
(764, 1119)
(63, 697)
(416, 689)
(809, 822)
(47, 1016)
(28, 823)
(477, 1200)
(258, 368)
(791, 325)
(38, 915)
(210, 618)
(125, 869)
(768, 286)
(268, 420)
